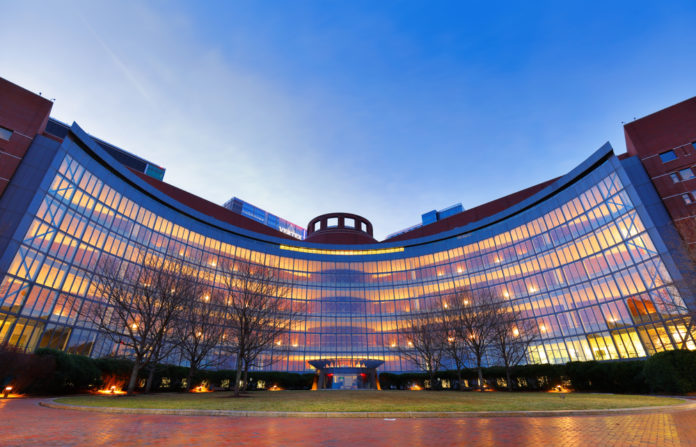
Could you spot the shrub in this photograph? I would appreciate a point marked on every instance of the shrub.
(114, 366)
(389, 380)
(21, 370)
(72, 372)
(628, 377)
(288, 381)
(671, 372)
(584, 376)
(607, 377)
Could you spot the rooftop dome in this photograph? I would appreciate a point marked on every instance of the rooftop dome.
(340, 228)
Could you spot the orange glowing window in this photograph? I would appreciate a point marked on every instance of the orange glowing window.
(638, 307)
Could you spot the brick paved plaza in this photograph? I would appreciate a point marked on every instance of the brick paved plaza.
(25, 423)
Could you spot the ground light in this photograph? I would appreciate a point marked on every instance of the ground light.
(113, 386)
(111, 391)
(201, 389)
(560, 389)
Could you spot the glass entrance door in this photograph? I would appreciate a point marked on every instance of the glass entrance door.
(344, 382)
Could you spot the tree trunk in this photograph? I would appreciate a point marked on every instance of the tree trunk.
(459, 379)
(150, 379)
(480, 374)
(238, 376)
(189, 378)
(509, 380)
(246, 378)
(134, 377)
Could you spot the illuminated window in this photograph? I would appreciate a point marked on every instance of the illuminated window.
(675, 177)
(5, 134)
(686, 174)
(687, 199)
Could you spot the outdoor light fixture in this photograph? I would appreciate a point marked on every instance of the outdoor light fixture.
(201, 389)
(113, 390)
(7, 391)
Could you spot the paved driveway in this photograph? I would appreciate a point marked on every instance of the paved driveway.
(23, 422)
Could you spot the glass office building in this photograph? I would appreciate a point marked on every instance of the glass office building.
(585, 257)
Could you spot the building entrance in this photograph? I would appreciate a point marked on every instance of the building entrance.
(346, 374)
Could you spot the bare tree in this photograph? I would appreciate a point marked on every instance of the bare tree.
(258, 313)
(137, 305)
(473, 316)
(200, 330)
(257, 354)
(512, 336)
(455, 348)
(424, 341)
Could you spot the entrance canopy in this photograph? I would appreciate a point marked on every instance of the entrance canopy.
(346, 374)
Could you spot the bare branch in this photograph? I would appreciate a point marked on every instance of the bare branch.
(423, 342)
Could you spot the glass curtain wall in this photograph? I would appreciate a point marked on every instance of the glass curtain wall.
(586, 272)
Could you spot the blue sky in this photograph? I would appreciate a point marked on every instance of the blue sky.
(384, 109)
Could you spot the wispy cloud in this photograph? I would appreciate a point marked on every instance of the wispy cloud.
(118, 62)
(387, 111)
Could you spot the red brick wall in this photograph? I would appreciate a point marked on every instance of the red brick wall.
(25, 114)
(673, 128)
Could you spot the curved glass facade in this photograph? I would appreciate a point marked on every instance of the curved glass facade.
(583, 260)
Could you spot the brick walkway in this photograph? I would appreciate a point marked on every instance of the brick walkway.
(24, 423)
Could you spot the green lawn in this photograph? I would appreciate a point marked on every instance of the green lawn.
(322, 401)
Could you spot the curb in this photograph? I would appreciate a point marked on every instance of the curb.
(688, 405)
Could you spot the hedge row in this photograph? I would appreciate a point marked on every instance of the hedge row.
(670, 372)
(55, 372)
(49, 371)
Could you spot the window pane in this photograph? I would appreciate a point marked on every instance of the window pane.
(668, 156)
